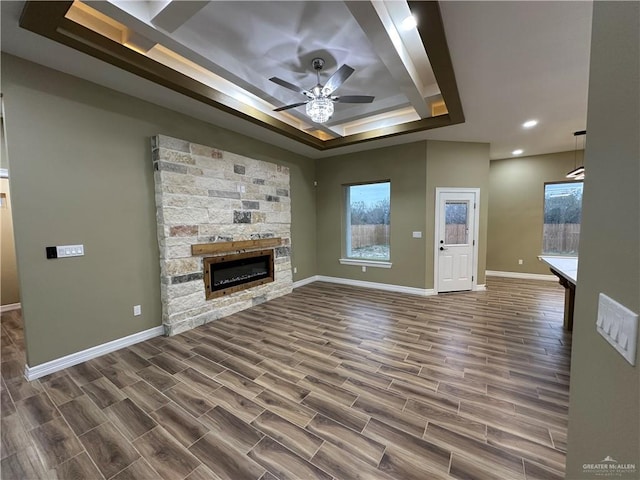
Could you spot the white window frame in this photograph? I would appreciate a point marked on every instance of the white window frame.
(346, 260)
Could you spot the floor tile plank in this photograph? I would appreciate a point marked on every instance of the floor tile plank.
(346, 439)
(296, 439)
(224, 460)
(55, 442)
(232, 429)
(109, 449)
(130, 419)
(165, 455)
(82, 414)
(79, 467)
(340, 464)
(283, 463)
(180, 424)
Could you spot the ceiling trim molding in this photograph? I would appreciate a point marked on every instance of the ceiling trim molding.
(433, 38)
(48, 19)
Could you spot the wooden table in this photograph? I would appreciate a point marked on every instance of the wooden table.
(566, 269)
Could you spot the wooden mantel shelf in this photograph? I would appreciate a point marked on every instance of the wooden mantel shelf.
(226, 247)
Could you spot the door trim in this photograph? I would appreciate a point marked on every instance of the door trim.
(476, 230)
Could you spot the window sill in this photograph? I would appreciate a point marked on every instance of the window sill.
(365, 263)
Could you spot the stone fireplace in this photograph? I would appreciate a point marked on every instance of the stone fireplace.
(224, 232)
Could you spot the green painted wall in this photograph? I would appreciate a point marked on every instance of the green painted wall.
(516, 204)
(81, 173)
(457, 164)
(604, 413)
(405, 166)
(415, 170)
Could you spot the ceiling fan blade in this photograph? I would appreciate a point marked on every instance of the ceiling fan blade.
(290, 86)
(337, 79)
(287, 107)
(355, 99)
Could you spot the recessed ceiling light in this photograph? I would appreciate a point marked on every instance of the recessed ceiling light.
(409, 23)
(519, 151)
(530, 123)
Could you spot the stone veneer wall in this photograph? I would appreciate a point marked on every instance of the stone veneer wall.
(205, 195)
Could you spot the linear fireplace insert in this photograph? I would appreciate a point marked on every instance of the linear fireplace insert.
(234, 272)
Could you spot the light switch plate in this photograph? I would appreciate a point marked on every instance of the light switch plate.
(619, 326)
(70, 251)
(417, 234)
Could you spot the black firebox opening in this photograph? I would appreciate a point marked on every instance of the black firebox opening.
(232, 273)
(237, 272)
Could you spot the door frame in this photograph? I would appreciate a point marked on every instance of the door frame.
(476, 230)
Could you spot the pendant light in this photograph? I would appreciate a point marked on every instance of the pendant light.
(578, 172)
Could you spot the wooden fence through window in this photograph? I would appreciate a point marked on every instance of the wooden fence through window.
(558, 238)
(455, 234)
(561, 238)
(367, 235)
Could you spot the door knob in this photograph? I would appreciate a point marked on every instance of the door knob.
(442, 248)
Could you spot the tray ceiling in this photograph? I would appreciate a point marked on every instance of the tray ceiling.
(223, 53)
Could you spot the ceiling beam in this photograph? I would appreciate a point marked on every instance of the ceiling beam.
(176, 13)
(377, 25)
(434, 39)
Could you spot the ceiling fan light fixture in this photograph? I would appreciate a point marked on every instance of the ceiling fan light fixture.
(320, 109)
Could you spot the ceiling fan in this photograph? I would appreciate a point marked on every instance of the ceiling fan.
(319, 105)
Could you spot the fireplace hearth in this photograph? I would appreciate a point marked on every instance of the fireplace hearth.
(235, 272)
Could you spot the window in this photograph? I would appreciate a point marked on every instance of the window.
(455, 223)
(368, 221)
(562, 214)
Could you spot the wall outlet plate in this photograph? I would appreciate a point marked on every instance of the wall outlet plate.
(619, 326)
(137, 310)
(417, 234)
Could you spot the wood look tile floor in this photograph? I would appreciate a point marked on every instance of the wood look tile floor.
(327, 382)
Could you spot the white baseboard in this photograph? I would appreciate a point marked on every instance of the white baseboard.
(480, 288)
(378, 286)
(360, 283)
(524, 276)
(305, 281)
(9, 307)
(31, 373)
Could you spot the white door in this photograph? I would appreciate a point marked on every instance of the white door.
(456, 232)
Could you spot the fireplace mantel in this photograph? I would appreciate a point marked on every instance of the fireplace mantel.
(241, 245)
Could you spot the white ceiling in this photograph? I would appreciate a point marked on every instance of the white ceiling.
(513, 61)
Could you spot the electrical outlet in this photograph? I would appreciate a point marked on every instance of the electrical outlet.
(416, 234)
(295, 269)
(520, 261)
(137, 310)
(364, 268)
